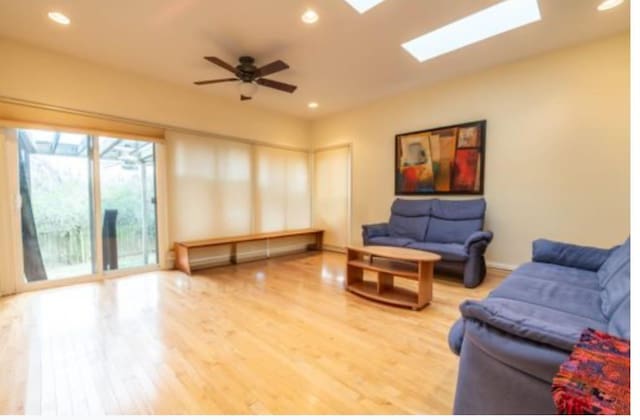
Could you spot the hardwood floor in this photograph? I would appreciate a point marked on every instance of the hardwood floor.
(275, 336)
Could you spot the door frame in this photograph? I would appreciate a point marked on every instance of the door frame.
(349, 215)
(21, 285)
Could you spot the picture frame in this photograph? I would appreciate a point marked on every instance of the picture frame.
(446, 160)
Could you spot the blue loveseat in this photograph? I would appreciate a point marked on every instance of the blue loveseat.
(512, 343)
(450, 228)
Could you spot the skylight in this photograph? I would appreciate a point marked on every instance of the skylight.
(502, 17)
(363, 5)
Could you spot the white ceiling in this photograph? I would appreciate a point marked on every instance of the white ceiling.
(343, 60)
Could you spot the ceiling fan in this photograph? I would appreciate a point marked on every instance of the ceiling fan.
(250, 76)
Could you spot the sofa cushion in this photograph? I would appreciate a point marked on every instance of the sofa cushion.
(560, 253)
(448, 252)
(560, 273)
(410, 218)
(531, 321)
(413, 227)
(618, 257)
(620, 321)
(616, 289)
(459, 209)
(554, 295)
(442, 230)
(455, 220)
(389, 241)
(412, 208)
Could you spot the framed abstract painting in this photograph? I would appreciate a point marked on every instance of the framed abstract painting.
(443, 160)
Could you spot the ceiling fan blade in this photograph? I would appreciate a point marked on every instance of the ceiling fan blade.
(223, 64)
(277, 85)
(244, 98)
(206, 82)
(271, 68)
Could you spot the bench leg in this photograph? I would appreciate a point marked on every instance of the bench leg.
(234, 253)
(182, 258)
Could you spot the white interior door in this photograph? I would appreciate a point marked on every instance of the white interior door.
(332, 195)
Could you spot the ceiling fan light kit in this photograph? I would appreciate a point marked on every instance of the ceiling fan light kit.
(250, 76)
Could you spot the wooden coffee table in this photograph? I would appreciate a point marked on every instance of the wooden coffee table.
(389, 262)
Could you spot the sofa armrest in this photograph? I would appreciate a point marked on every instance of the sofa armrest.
(479, 236)
(456, 335)
(517, 323)
(534, 359)
(373, 230)
(569, 255)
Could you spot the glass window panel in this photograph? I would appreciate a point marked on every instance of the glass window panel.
(128, 201)
(56, 212)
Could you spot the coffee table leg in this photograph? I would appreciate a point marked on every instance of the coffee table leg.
(354, 274)
(385, 282)
(425, 283)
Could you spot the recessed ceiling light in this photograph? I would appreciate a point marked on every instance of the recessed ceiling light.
(363, 5)
(312, 105)
(609, 4)
(502, 17)
(310, 16)
(59, 18)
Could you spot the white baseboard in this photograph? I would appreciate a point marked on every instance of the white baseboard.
(501, 266)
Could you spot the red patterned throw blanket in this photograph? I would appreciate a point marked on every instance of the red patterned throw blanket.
(595, 379)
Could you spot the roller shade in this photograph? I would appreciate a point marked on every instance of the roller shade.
(41, 117)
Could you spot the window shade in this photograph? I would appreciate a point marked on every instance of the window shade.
(25, 116)
(210, 187)
(282, 190)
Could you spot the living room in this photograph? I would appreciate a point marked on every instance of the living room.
(299, 207)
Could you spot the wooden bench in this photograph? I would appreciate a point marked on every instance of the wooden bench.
(182, 249)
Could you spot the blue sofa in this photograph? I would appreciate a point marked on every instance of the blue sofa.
(450, 228)
(512, 343)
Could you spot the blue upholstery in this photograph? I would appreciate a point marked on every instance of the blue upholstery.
(442, 230)
(585, 257)
(410, 219)
(620, 321)
(412, 208)
(378, 229)
(529, 324)
(616, 289)
(450, 252)
(408, 227)
(559, 273)
(551, 294)
(619, 256)
(455, 221)
(450, 228)
(480, 236)
(390, 241)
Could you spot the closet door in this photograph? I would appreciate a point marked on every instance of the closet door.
(332, 195)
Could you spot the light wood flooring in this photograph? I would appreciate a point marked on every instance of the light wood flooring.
(276, 336)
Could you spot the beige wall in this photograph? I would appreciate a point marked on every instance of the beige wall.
(38, 75)
(557, 145)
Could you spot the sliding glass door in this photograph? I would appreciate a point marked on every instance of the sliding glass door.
(87, 204)
(55, 182)
(128, 201)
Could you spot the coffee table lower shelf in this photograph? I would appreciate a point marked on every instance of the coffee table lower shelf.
(394, 296)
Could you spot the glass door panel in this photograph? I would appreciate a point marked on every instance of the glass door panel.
(128, 202)
(55, 181)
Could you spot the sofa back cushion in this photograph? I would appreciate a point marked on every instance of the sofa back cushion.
(453, 221)
(614, 278)
(616, 289)
(410, 218)
(618, 257)
(620, 322)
